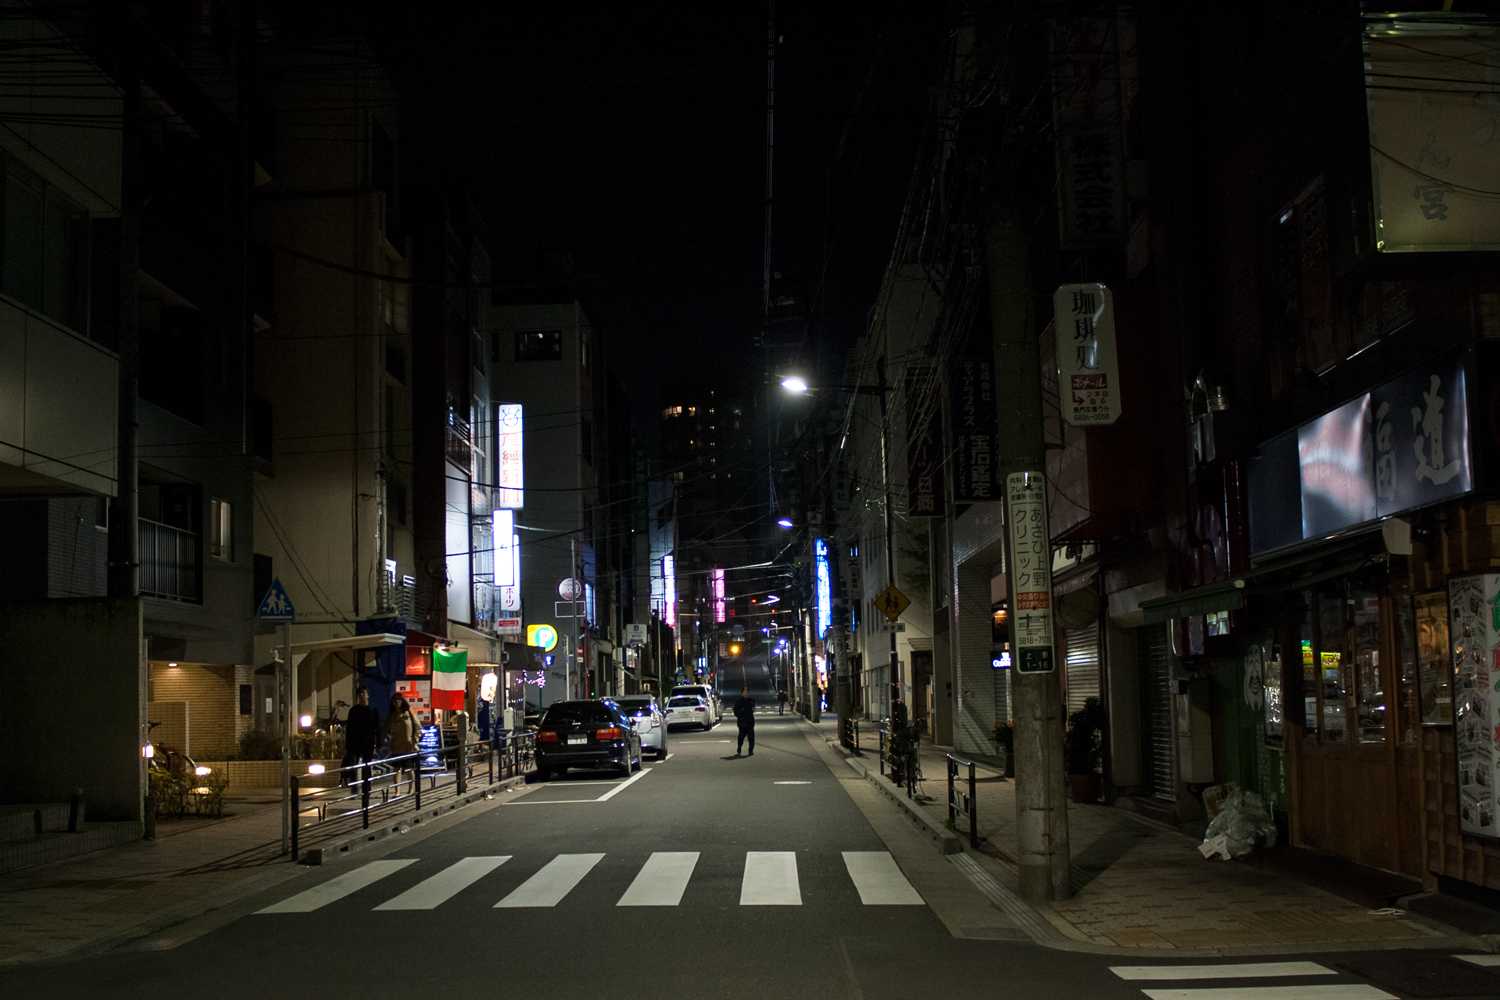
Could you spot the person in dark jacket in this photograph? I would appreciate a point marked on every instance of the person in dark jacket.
(361, 730)
(781, 702)
(744, 717)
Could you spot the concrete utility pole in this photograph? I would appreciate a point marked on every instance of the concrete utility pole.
(1041, 809)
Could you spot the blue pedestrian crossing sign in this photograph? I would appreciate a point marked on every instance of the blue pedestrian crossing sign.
(276, 606)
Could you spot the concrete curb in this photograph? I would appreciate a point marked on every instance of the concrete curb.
(342, 847)
(1043, 931)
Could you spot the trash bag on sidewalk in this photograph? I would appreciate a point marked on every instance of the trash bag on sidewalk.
(1243, 825)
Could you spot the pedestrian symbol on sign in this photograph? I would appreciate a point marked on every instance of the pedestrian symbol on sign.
(892, 602)
(276, 606)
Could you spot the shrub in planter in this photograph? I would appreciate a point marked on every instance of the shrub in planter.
(260, 744)
(169, 792)
(208, 793)
(1081, 750)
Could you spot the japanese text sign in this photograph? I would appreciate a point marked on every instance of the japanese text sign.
(972, 402)
(1030, 572)
(1474, 635)
(1088, 371)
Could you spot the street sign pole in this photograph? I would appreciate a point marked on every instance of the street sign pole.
(289, 712)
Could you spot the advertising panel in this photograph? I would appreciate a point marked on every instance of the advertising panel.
(972, 408)
(512, 457)
(1031, 576)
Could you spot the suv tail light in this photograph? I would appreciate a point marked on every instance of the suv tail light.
(546, 736)
(609, 734)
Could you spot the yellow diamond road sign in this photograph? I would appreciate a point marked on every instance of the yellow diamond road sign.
(892, 602)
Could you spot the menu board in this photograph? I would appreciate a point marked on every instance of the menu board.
(1474, 630)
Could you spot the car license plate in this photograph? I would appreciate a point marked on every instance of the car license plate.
(577, 739)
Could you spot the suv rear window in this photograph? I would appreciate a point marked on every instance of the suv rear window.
(685, 701)
(577, 711)
(633, 707)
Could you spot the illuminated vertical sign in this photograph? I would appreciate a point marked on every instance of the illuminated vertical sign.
(504, 523)
(825, 587)
(510, 594)
(718, 595)
(669, 602)
(512, 457)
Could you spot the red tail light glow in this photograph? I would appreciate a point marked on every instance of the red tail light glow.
(609, 734)
(546, 736)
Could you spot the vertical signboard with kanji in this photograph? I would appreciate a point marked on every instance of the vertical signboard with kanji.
(512, 457)
(972, 401)
(1086, 119)
(1473, 628)
(924, 457)
(1088, 371)
(1030, 572)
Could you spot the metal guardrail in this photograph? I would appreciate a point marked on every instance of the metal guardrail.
(494, 760)
(849, 734)
(905, 768)
(961, 801)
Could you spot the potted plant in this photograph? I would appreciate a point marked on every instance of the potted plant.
(1081, 750)
(1005, 743)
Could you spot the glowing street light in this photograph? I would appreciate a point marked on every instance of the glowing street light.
(794, 383)
(785, 522)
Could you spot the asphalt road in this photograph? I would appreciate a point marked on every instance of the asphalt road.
(704, 876)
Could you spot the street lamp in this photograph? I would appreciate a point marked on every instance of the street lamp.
(794, 383)
(784, 522)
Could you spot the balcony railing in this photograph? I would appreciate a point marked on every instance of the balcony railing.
(169, 562)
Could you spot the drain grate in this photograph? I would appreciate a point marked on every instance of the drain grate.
(1426, 975)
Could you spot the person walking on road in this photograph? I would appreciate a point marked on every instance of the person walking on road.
(744, 717)
(781, 702)
(361, 732)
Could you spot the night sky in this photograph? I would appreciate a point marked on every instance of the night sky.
(633, 137)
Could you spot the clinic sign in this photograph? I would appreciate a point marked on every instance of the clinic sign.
(1088, 371)
(1031, 575)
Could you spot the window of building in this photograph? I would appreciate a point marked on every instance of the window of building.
(43, 256)
(397, 494)
(539, 345)
(583, 350)
(220, 530)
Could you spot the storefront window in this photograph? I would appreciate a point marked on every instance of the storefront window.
(1370, 690)
(1270, 672)
(1433, 675)
(1331, 660)
(1309, 669)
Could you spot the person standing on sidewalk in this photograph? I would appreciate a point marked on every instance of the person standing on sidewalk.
(781, 702)
(744, 717)
(361, 732)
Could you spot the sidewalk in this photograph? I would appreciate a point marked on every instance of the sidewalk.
(1141, 885)
(93, 902)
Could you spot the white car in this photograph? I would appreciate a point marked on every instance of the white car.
(649, 720)
(689, 710)
(705, 692)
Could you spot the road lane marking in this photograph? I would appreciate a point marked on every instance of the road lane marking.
(1247, 970)
(791, 782)
(1485, 961)
(546, 802)
(432, 892)
(548, 886)
(637, 776)
(770, 879)
(662, 879)
(1343, 991)
(879, 881)
(337, 888)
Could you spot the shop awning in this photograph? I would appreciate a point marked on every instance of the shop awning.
(483, 650)
(347, 644)
(1292, 573)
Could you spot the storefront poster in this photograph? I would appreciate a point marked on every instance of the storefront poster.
(418, 694)
(1474, 626)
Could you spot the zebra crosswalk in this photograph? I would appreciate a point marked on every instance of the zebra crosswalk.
(768, 878)
(1220, 971)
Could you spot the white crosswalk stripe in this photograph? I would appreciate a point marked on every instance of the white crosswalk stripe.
(1331, 991)
(879, 881)
(446, 884)
(1242, 970)
(337, 888)
(548, 886)
(661, 880)
(1209, 972)
(1483, 961)
(770, 879)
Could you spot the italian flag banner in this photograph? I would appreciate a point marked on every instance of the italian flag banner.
(450, 672)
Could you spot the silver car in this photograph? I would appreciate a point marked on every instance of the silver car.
(650, 723)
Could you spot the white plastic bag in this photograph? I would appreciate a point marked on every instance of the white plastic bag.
(1243, 825)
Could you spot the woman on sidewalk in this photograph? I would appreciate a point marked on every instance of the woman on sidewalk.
(405, 733)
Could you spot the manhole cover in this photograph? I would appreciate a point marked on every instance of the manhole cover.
(1427, 976)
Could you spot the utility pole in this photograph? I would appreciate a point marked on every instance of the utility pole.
(1041, 809)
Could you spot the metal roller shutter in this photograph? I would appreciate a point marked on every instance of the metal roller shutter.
(1156, 704)
(1082, 664)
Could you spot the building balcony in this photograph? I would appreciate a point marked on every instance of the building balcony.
(169, 562)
